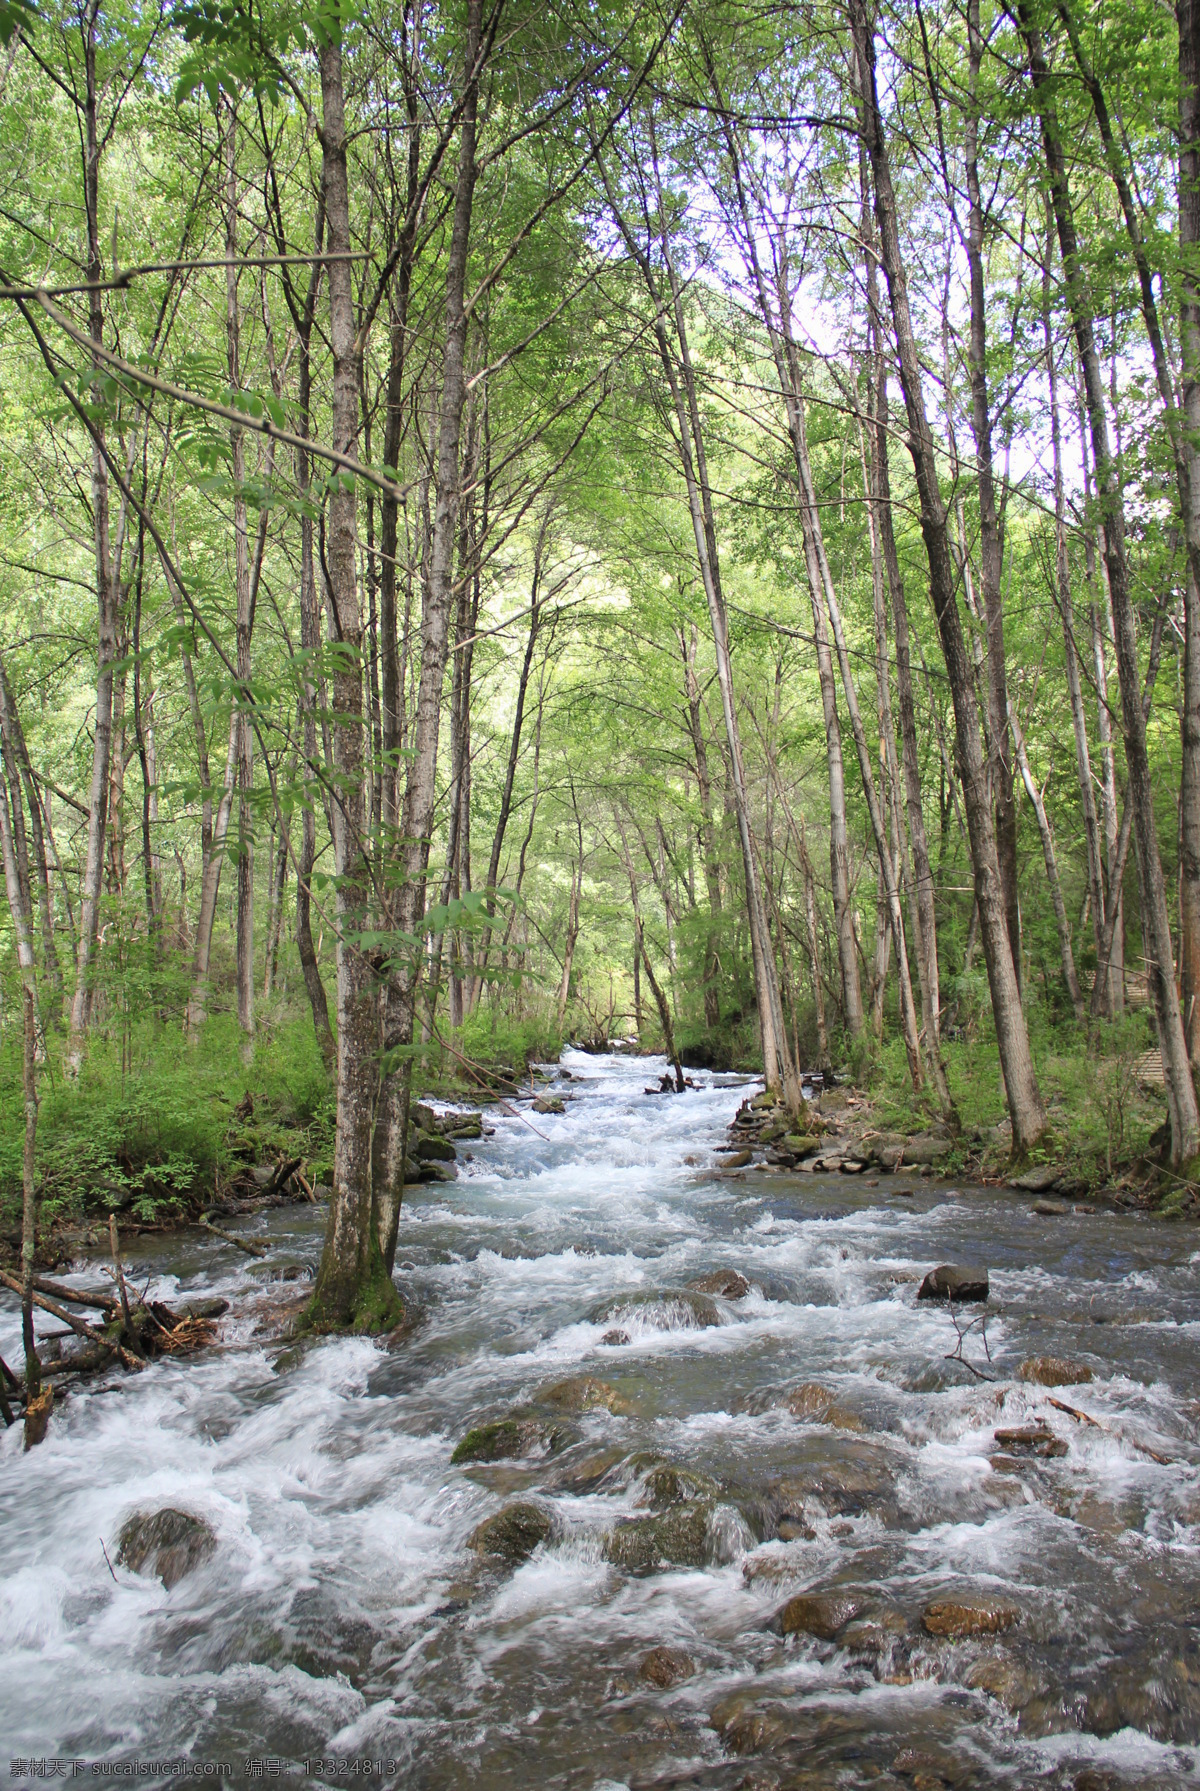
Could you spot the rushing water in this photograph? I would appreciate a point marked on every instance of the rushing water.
(342, 1614)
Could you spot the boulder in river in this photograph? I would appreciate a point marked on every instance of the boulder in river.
(818, 1405)
(429, 1147)
(1054, 1371)
(820, 1614)
(437, 1172)
(615, 1339)
(737, 1159)
(665, 1484)
(728, 1283)
(584, 1393)
(694, 1533)
(549, 1104)
(168, 1543)
(954, 1283)
(957, 1619)
(847, 1479)
(925, 1152)
(661, 1309)
(511, 1438)
(1004, 1679)
(665, 1667)
(513, 1533)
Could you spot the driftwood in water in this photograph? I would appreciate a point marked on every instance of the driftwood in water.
(78, 1325)
(140, 1330)
(230, 1237)
(103, 1302)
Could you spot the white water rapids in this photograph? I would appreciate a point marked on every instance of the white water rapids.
(342, 1617)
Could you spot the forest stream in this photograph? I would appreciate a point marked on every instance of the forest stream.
(341, 1615)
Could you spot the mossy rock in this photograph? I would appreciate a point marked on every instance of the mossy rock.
(511, 1439)
(429, 1147)
(514, 1533)
(679, 1537)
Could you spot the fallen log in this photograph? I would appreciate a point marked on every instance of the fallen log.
(229, 1237)
(104, 1302)
(78, 1325)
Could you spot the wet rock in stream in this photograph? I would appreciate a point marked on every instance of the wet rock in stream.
(693, 1533)
(820, 1614)
(514, 1533)
(1031, 1440)
(168, 1543)
(511, 1439)
(665, 1667)
(1054, 1371)
(957, 1619)
(728, 1283)
(661, 1309)
(955, 1283)
(584, 1393)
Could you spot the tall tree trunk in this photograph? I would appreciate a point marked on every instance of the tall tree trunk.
(241, 551)
(822, 588)
(639, 945)
(909, 749)
(778, 1070)
(419, 798)
(1156, 925)
(1184, 442)
(514, 743)
(990, 553)
(106, 577)
(353, 1286)
(1024, 1097)
(776, 316)
(20, 773)
(391, 679)
(210, 884)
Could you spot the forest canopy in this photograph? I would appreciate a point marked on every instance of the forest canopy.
(539, 521)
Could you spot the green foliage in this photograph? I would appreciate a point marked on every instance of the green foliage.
(149, 1127)
(491, 1035)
